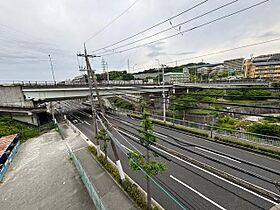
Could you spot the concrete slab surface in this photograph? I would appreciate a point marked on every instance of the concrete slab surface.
(43, 177)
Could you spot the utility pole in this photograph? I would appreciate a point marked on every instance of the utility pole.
(93, 111)
(105, 68)
(163, 94)
(103, 63)
(91, 75)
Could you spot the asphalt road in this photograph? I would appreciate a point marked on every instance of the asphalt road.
(185, 184)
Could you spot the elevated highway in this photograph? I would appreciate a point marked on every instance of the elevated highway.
(53, 93)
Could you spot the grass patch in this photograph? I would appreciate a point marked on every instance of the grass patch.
(9, 126)
(121, 103)
(269, 151)
(132, 189)
(201, 112)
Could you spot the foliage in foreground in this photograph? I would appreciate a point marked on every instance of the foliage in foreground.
(150, 167)
(9, 126)
(132, 189)
(25, 131)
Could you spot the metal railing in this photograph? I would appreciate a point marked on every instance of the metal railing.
(88, 184)
(74, 83)
(214, 130)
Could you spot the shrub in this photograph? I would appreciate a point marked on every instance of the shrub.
(132, 189)
(24, 131)
(265, 129)
(226, 122)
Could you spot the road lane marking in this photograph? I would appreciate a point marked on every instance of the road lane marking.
(129, 150)
(217, 154)
(87, 122)
(198, 193)
(128, 134)
(208, 172)
(127, 123)
(160, 135)
(128, 141)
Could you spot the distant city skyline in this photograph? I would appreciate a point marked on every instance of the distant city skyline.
(32, 30)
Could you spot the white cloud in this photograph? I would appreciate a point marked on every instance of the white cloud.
(32, 29)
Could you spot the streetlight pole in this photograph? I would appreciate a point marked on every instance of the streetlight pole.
(158, 70)
(51, 104)
(52, 71)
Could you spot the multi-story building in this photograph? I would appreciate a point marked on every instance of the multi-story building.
(267, 66)
(80, 79)
(249, 69)
(173, 77)
(263, 66)
(234, 64)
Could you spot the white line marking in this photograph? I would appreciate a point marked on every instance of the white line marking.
(225, 180)
(87, 122)
(126, 148)
(128, 141)
(125, 122)
(218, 154)
(160, 135)
(198, 193)
(128, 134)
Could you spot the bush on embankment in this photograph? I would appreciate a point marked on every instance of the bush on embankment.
(9, 126)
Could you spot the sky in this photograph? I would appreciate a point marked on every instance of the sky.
(30, 30)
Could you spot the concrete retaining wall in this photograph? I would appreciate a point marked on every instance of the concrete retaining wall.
(12, 96)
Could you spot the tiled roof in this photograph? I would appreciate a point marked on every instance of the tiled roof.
(5, 142)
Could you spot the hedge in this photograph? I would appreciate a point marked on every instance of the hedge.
(132, 189)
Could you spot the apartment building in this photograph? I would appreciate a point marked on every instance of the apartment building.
(263, 67)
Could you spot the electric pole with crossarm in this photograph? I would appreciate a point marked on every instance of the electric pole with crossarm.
(91, 77)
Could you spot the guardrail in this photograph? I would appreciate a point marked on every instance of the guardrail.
(90, 188)
(214, 130)
(76, 83)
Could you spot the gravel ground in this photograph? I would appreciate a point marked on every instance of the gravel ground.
(43, 177)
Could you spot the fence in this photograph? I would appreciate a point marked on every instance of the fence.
(214, 130)
(90, 188)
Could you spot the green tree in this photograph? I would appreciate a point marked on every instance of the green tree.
(137, 161)
(102, 136)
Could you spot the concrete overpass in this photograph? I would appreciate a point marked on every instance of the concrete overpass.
(51, 93)
(225, 84)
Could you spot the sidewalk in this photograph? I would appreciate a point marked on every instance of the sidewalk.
(42, 177)
(111, 195)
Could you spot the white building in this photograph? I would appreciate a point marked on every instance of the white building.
(174, 77)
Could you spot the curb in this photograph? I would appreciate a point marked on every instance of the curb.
(75, 129)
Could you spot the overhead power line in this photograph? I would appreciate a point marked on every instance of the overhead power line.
(156, 25)
(112, 21)
(190, 29)
(172, 27)
(216, 53)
